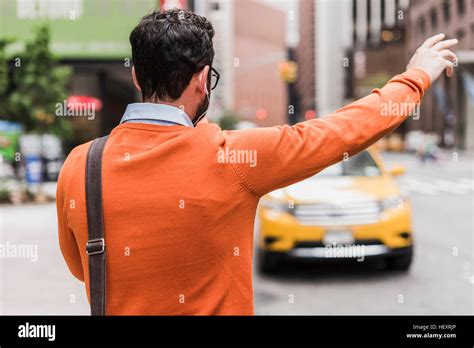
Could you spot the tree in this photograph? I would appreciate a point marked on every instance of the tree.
(4, 80)
(228, 120)
(39, 85)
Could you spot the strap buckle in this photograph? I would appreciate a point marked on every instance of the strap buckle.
(95, 246)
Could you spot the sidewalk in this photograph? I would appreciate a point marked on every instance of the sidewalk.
(42, 286)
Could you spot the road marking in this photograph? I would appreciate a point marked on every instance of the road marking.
(413, 185)
(468, 182)
(435, 186)
(454, 187)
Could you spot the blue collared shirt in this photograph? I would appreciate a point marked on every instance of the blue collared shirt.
(161, 114)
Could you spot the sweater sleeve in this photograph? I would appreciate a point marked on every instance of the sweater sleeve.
(67, 239)
(286, 154)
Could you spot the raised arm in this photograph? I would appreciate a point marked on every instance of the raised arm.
(287, 154)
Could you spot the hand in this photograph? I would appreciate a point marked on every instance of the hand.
(434, 56)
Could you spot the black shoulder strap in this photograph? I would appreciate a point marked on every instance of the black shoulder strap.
(95, 247)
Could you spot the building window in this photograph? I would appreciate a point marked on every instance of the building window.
(460, 34)
(354, 21)
(423, 25)
(434, 18)
(446, 11)
(461, 7)
(215, 6)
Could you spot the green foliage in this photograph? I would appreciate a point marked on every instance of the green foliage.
(229, 120)
(39, 84)
(377, 80)
(3, 68)
(4, 80)
(4, 195)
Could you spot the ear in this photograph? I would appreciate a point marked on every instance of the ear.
(202, 80)
(134, 78)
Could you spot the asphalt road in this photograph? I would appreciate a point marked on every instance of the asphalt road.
(441, 280)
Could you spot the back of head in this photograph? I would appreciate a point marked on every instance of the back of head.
(168, 48)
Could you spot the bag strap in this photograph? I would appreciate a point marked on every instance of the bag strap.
(95, 247)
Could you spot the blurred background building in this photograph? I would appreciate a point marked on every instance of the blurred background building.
(250, 43)
(387, 33)
(100, 59)
(448, 108)
(306, 57)
(281, 61)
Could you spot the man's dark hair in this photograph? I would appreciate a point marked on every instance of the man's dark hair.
(168, 48)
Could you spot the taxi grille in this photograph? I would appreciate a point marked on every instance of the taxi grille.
(357, 213)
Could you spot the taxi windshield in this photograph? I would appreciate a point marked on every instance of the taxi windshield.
(361, 164)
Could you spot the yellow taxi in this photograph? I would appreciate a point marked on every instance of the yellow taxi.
(351, 210)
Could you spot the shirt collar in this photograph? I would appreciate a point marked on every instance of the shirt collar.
(161, 114)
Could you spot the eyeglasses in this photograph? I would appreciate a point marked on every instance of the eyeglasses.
(215, 76)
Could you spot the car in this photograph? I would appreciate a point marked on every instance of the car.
(350, 210)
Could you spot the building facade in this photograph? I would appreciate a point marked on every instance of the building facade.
(250, 43)
(386, 33)
(100, 59)
(448, 108)
(340, 45)
(306, 57)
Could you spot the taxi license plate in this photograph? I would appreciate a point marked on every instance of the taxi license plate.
(338, 237)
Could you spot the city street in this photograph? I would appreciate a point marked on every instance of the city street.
(440, 281)
(437, 283)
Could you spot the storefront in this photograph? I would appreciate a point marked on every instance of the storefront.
(90, 36)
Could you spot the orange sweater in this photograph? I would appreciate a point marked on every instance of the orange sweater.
(179, 222)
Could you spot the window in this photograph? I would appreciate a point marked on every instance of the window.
(423, 25)
(460, 34)
(434, 18)
(361, 164)
(461, 5)
(447, 10)
(215, 6)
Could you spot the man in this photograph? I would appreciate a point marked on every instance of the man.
(178, 218)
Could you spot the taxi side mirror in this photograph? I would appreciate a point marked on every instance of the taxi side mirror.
(397, 170)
